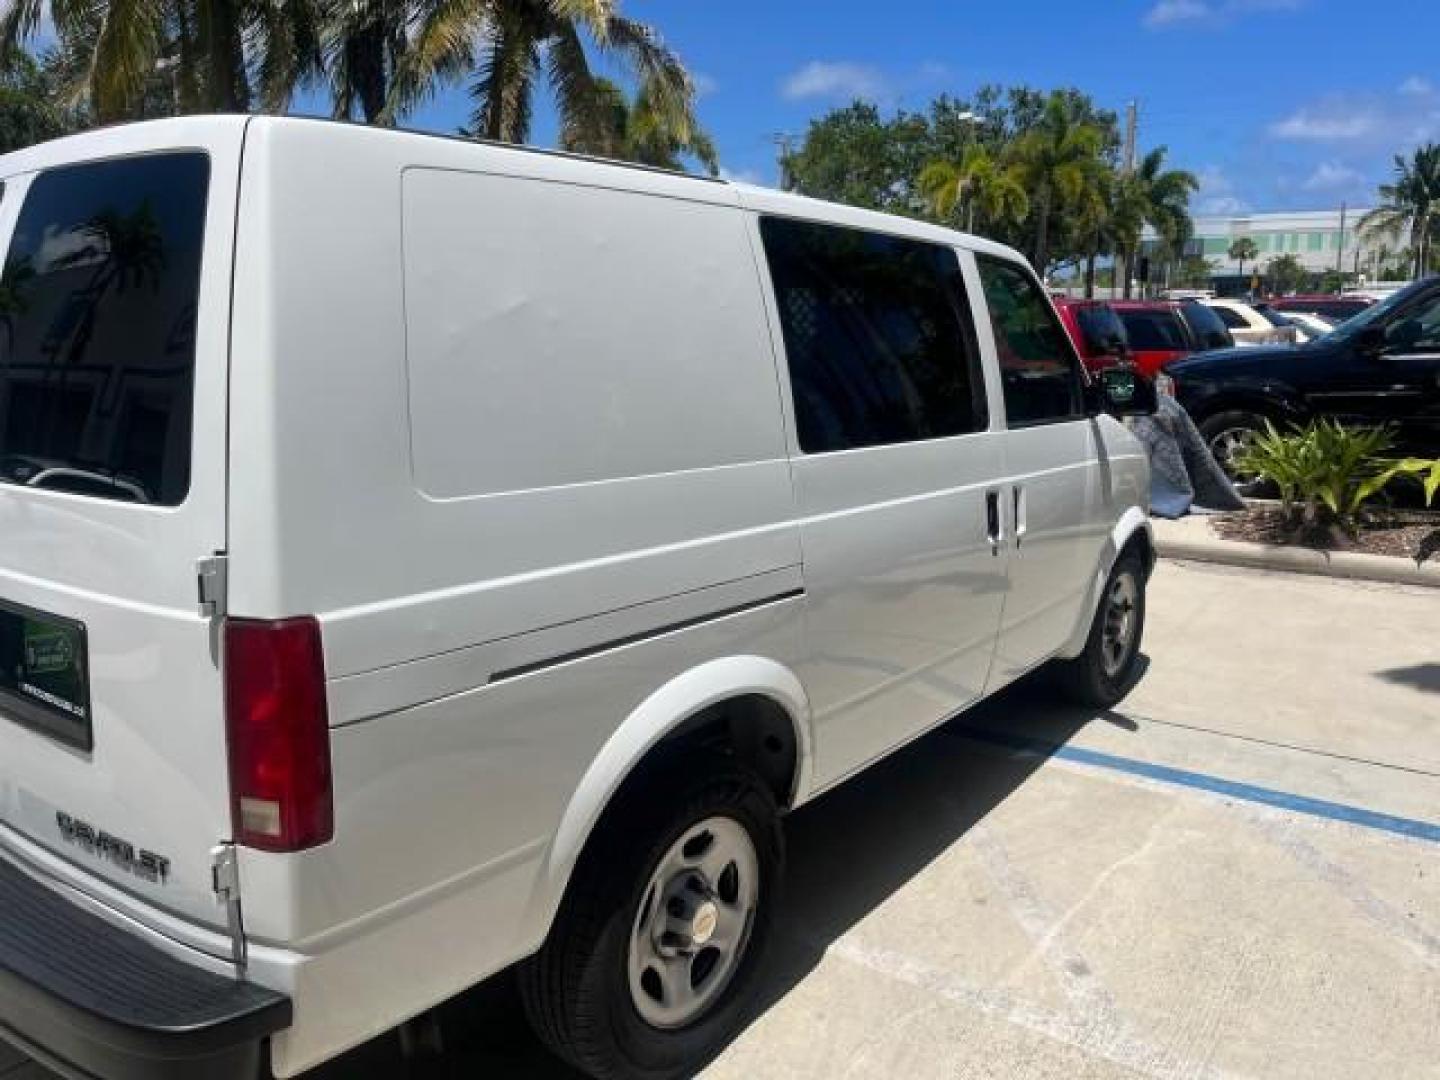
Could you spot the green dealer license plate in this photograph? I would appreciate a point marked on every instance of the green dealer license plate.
(45, 673)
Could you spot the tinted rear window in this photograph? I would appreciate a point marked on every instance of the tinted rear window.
(1153, 330)
(97, 345)
(878, 337)
(1338, 310)
(1099, 325)
(1209, 331)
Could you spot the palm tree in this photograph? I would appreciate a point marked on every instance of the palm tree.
(1155, 196)
(977, 181)
(1094, 221)
(1057, 158)
(142, 57)
(1242, 251)
(637, 130)
(363, 44)
(510, 45)
(1411, 204)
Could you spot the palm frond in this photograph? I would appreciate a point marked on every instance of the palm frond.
(19, 22)
(440, 49)
(669, 85)
(583, 118)
(125, 53)
(284, 37)
(504, 84)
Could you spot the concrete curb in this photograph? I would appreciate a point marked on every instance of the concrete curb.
(1192, 538)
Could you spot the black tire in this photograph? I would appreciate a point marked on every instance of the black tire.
(1214, 429)
(1090, 679)
(576, 990)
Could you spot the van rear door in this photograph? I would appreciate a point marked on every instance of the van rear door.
(114, 331)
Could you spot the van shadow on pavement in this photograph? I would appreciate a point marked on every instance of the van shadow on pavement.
(847, 853)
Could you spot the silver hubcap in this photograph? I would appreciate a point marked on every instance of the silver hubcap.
(1227, 446)
(1118, 636)
(693, 923)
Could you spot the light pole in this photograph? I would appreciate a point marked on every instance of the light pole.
(968, 117)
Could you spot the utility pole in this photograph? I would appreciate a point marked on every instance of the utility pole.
(784, 145)
(1340, 253)
(1132, 120)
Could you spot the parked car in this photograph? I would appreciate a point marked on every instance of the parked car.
(1308, 326)
(1335, 308)
(1159, 332)
(1380, 367)
(1095, 330)
(503, 549)
(1249, 326)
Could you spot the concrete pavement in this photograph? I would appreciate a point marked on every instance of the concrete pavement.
(1234, 874)
(994, 911)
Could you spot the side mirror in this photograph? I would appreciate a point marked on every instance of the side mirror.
(1122, 391)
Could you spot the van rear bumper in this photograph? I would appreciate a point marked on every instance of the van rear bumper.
(89, 1000)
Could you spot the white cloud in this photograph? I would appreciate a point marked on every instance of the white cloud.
(1221, 206)
(836, 80)
(705, 85)
(741, 176)
(1170, 12)
(1331, 121)
(1167, 12)
(1333, 176)
(1417, 86)
(1216, 197)
(1383, 122)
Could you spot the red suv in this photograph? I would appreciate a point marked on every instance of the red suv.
(1094, 328)
(1159, 331)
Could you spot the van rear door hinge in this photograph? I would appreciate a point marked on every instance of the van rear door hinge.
(212, 576)
(225, 879)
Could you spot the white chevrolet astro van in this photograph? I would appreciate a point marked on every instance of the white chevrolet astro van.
(421, 557)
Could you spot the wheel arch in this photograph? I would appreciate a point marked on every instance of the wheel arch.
(1275, 403)
(759, 690)
(1133, 530)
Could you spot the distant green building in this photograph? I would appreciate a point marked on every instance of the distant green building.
(1312, 236)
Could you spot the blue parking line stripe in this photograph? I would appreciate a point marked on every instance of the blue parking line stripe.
(1284, 800)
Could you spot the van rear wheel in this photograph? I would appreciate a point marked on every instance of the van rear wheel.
(1101, 675)
(652, 958)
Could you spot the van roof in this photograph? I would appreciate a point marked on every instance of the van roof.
(111, 140)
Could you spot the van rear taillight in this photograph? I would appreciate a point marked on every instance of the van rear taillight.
(278, 734)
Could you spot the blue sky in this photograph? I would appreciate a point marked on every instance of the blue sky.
(1275, 104)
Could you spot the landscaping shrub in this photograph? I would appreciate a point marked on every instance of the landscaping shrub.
(1328, 474)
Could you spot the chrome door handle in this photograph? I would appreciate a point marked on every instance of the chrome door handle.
(1017, 494)
(993, 527)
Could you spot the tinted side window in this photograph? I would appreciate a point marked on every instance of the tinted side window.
(97, 328)
(1417, 330)
(1209, 331)
(1153, 330)
(1232, 319)
(877, 336)
(1100, 327)
(1038, 366)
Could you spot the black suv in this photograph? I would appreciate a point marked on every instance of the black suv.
(1381, 367)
